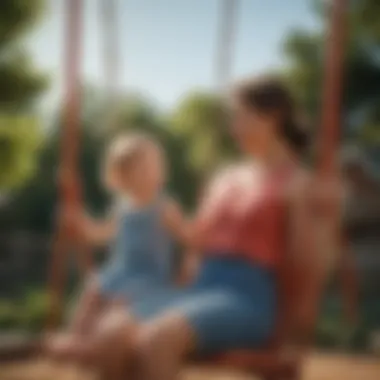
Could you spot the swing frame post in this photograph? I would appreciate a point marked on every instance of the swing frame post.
(331, 118)
(69, 189)
(327, 169)
(331, 126)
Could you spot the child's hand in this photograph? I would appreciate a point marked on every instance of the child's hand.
(84, 224)
(189, 269)
(175, 222)
(98, 232)
(77, 221)
(71, 217)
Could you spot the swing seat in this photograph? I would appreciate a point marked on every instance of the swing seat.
(273, 362)
(270, 363)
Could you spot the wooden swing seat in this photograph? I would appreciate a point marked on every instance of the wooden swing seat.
(269, 363)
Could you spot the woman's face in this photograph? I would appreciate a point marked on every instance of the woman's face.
(254, 132)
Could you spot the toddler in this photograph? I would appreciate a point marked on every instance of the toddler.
(143, 227)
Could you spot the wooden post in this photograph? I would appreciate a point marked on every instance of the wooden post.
(331, 121)
(332, 92)
(68, 183)
(329, 225)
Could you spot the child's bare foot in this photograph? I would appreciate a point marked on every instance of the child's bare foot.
(111, 343)
(62, 346)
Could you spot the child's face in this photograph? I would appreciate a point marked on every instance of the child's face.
(146, 176)
(149, 173)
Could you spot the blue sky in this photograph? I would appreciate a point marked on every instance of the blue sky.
(168, 46)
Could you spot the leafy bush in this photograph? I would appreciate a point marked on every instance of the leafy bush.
(334, 333)
(28, 313)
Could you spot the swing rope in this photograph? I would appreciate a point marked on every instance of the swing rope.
(108, 12)
(225, 43)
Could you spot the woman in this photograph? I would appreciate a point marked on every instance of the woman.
(251, 215)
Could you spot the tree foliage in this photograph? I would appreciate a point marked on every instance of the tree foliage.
(13, 165)
(306, 49)
(20, 85)
(201, 121)
(16, 18)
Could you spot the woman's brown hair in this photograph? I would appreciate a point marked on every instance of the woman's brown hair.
(270, 96)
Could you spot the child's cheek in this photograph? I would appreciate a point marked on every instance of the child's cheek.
(110, 181)
(153, 175)
(117, 183)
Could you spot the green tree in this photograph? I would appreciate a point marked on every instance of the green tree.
(20, 86)
(201, 121)
(19, 139)
(305, 51)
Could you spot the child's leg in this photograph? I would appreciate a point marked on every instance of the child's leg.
(77, 346)
(86, 313)
(89, 311)
(89, 307)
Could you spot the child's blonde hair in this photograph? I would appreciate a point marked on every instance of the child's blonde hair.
(126, 149)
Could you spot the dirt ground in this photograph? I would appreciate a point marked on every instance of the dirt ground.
(317, 367)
